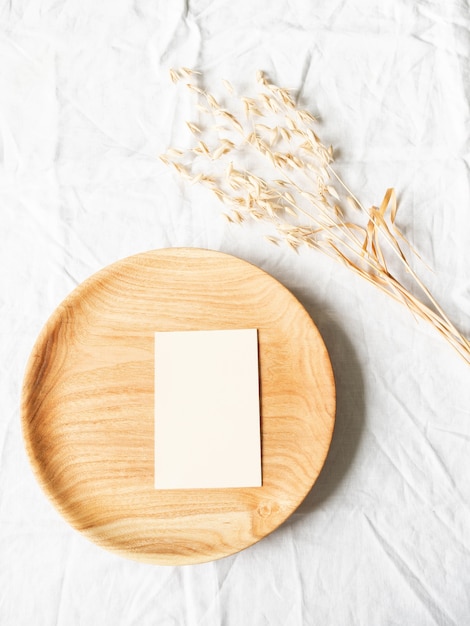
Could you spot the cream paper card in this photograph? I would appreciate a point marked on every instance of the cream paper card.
(207, 424)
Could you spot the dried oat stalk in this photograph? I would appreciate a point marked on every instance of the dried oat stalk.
(263, 160)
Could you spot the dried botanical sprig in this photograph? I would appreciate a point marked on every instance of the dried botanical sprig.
(294, 188)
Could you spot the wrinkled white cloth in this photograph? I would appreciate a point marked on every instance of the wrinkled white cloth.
(86, 106)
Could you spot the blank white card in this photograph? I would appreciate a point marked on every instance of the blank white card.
(207, 425)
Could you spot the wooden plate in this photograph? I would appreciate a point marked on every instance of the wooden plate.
(88, 416)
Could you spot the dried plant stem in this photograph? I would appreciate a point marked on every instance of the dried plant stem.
(445, 323)
(302, 198)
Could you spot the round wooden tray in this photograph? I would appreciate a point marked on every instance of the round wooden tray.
(88, 405)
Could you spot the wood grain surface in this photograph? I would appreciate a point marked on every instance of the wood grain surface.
(88, 405)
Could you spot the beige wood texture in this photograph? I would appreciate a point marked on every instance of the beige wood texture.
(88, 405)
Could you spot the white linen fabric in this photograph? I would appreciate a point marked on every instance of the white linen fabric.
(86, 106)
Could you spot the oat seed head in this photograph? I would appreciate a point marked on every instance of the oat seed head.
(291, 185)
